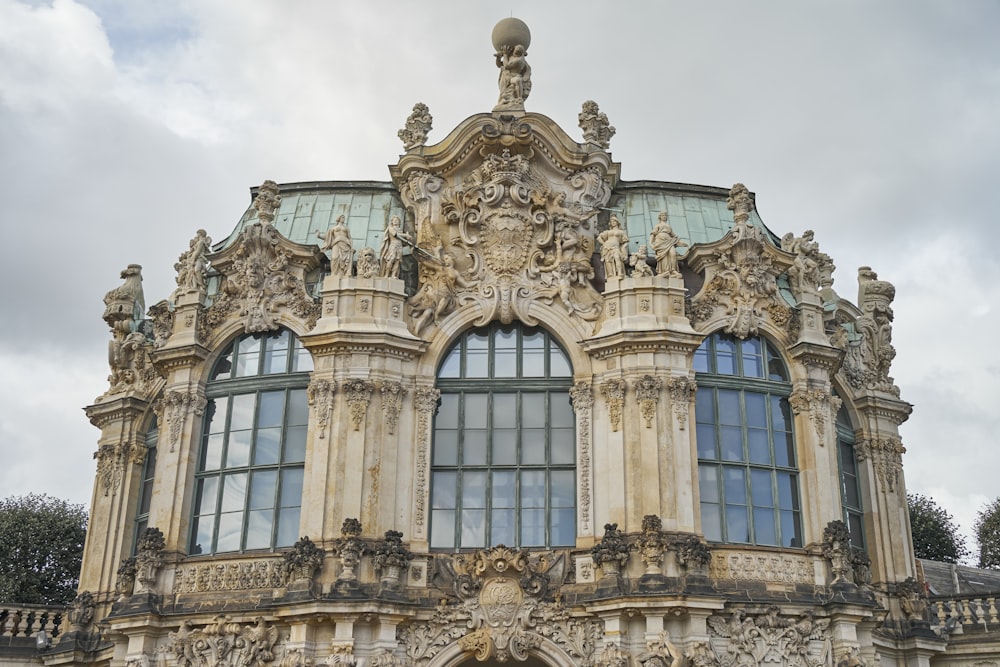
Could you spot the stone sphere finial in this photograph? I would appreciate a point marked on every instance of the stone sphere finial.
(511, 32)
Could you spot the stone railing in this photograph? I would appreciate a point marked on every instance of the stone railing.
(962, 614)
(27, 619)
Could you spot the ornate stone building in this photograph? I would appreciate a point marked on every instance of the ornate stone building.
(524, 412)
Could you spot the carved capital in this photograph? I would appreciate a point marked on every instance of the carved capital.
(320, 397)
(359, 394)
(614, 393)
(682, 392)
(886, 455)
(176, 405)
(820, 405)
(392, 399)
(648, 392)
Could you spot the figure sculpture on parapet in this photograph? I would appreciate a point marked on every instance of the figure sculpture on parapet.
(511, 39)
(338, 241)
(665, 243)
(614, 248)
(391, 251)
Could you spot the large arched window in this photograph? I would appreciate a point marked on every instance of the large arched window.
(146, 484)
(746, 448)
(503, 467)
(249, 482)
(850, 483)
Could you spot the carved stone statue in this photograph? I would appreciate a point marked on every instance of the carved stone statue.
(867, 361)
(511, 39)
(614, 249)
(595, 125)
(418, 125)
(124, 312)
(640, 268)
(665, 243)
(804, 273)
(391, 251)
(438, 293)
(191, 265)
(367, 263)
(338, 241)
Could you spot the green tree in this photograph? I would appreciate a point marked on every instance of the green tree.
(987, 529)
(935, 535)
(41, 547)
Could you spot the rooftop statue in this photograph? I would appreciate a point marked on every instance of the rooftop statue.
(418, 125)
(191, 265)
(614, 249)
(338, 241)
(595, 125)
(665, 243)
(391, 251)
(511, 39)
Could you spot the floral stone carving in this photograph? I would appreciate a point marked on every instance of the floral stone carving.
(148, 559)
(886, 455)
(821, 406)
(392, 398)
(319, 394)
(582, 398)
(837, 548)
(263, 275)
(418, 125)
(765, 638)
(359, 393)
(682, 392)
(692, 553)
(651, 544)
(349, 549)
(648, 392)
(174, 408)
(390, 558)
(224, 643)
(501, 613)
(741, 271)
(612, 552)
(303, 560)
(614, 393)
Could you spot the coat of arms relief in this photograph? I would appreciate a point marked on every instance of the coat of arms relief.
(507, 224)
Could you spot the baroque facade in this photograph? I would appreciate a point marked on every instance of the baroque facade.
(503, 408)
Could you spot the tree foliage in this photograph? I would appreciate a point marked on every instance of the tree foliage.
(41, 547)
(935, 535)
(987, 529)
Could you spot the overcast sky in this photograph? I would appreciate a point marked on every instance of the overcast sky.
(126, 125)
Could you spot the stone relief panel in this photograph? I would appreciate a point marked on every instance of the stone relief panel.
(741, 271)
(503, 611)
(224, 643)
(359, 394)
(647, 390)
(766, 637)
(232, 575)
(263, 275)
(770, 568)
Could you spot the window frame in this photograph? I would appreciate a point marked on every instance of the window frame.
(145, 498)
(854, 515)
(242, 472)
(736, 475)
(472, 368)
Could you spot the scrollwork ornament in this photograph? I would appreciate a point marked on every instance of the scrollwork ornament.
(595, 125)
(886, 455)
(426, 402)
(224, 643)
(582, 399)
(177, 405)
(820, 405)
(319, 394)
(392, 398)
(682, 392)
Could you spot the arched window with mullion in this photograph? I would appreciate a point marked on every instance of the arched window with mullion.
(503, 465)
(248, 486)
(747, 471)
(850, 480)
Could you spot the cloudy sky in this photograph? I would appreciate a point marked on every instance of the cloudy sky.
(126, 125)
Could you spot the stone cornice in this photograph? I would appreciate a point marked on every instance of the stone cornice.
(350, 342)
(167, 358)
(102, 414)
(820, 356)
(884, 405)
(625, 342)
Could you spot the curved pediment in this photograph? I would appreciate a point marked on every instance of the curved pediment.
(505, 212)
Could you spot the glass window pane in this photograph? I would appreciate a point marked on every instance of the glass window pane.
(775, 366)
(259, 527)
(215, 414)
(533, 446)
(295, 445)
(561, 489)
(701, 358)
(223, 367)
(243, 410)
(278, 341)
(298, 408)
(533, 411)
(756, 409)
(781, 416)
(477, 340)
(262, 489)
(729, 407)
(725, 356)
(268, 446)
(533, 488)
(759, 445)
(238, 452)
(788, 491)
(764, 528)
(504, 410)
(288, 527)
(474, 448)
(533, 364)
(706, 441)
(847, 463)
(852, 498)
(473, 528)
(704, 406)
(737, 524)
(302, 361)
(477, 365)
(247, 365)
(447, 414)
(561, 411)
(443, 490)
(476, 410)
(504, 446)
(563, 446)
(558, 363)
(505, 338)
(275, 361)
(760, 488)
(735, 484)
(291, 487)
(711, 521)
(234, 492)
(532, 527)
(446, 448)
(791, 533)
(272, 405)
(451, 367)
(230, 532)
(732, 443)
(204, 533)
(504, 488)
(442, 529)
(208, 496)
(505, 364)
(708, 483)
(533, 340)
(474, 490)
(212, 454)
(502, 527)
(248, 344)
(563, 529)
(784, 449)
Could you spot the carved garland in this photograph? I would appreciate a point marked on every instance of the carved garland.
(821, 407)
(111, 461)
(682, 391)
(175, 407)
(765, 638)
(614, 394)
(359, 394)
(224, 643)
(392, 399)
(582, 400)
(648, 392)
(886, 456)
(320, 397)
(426, 401)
